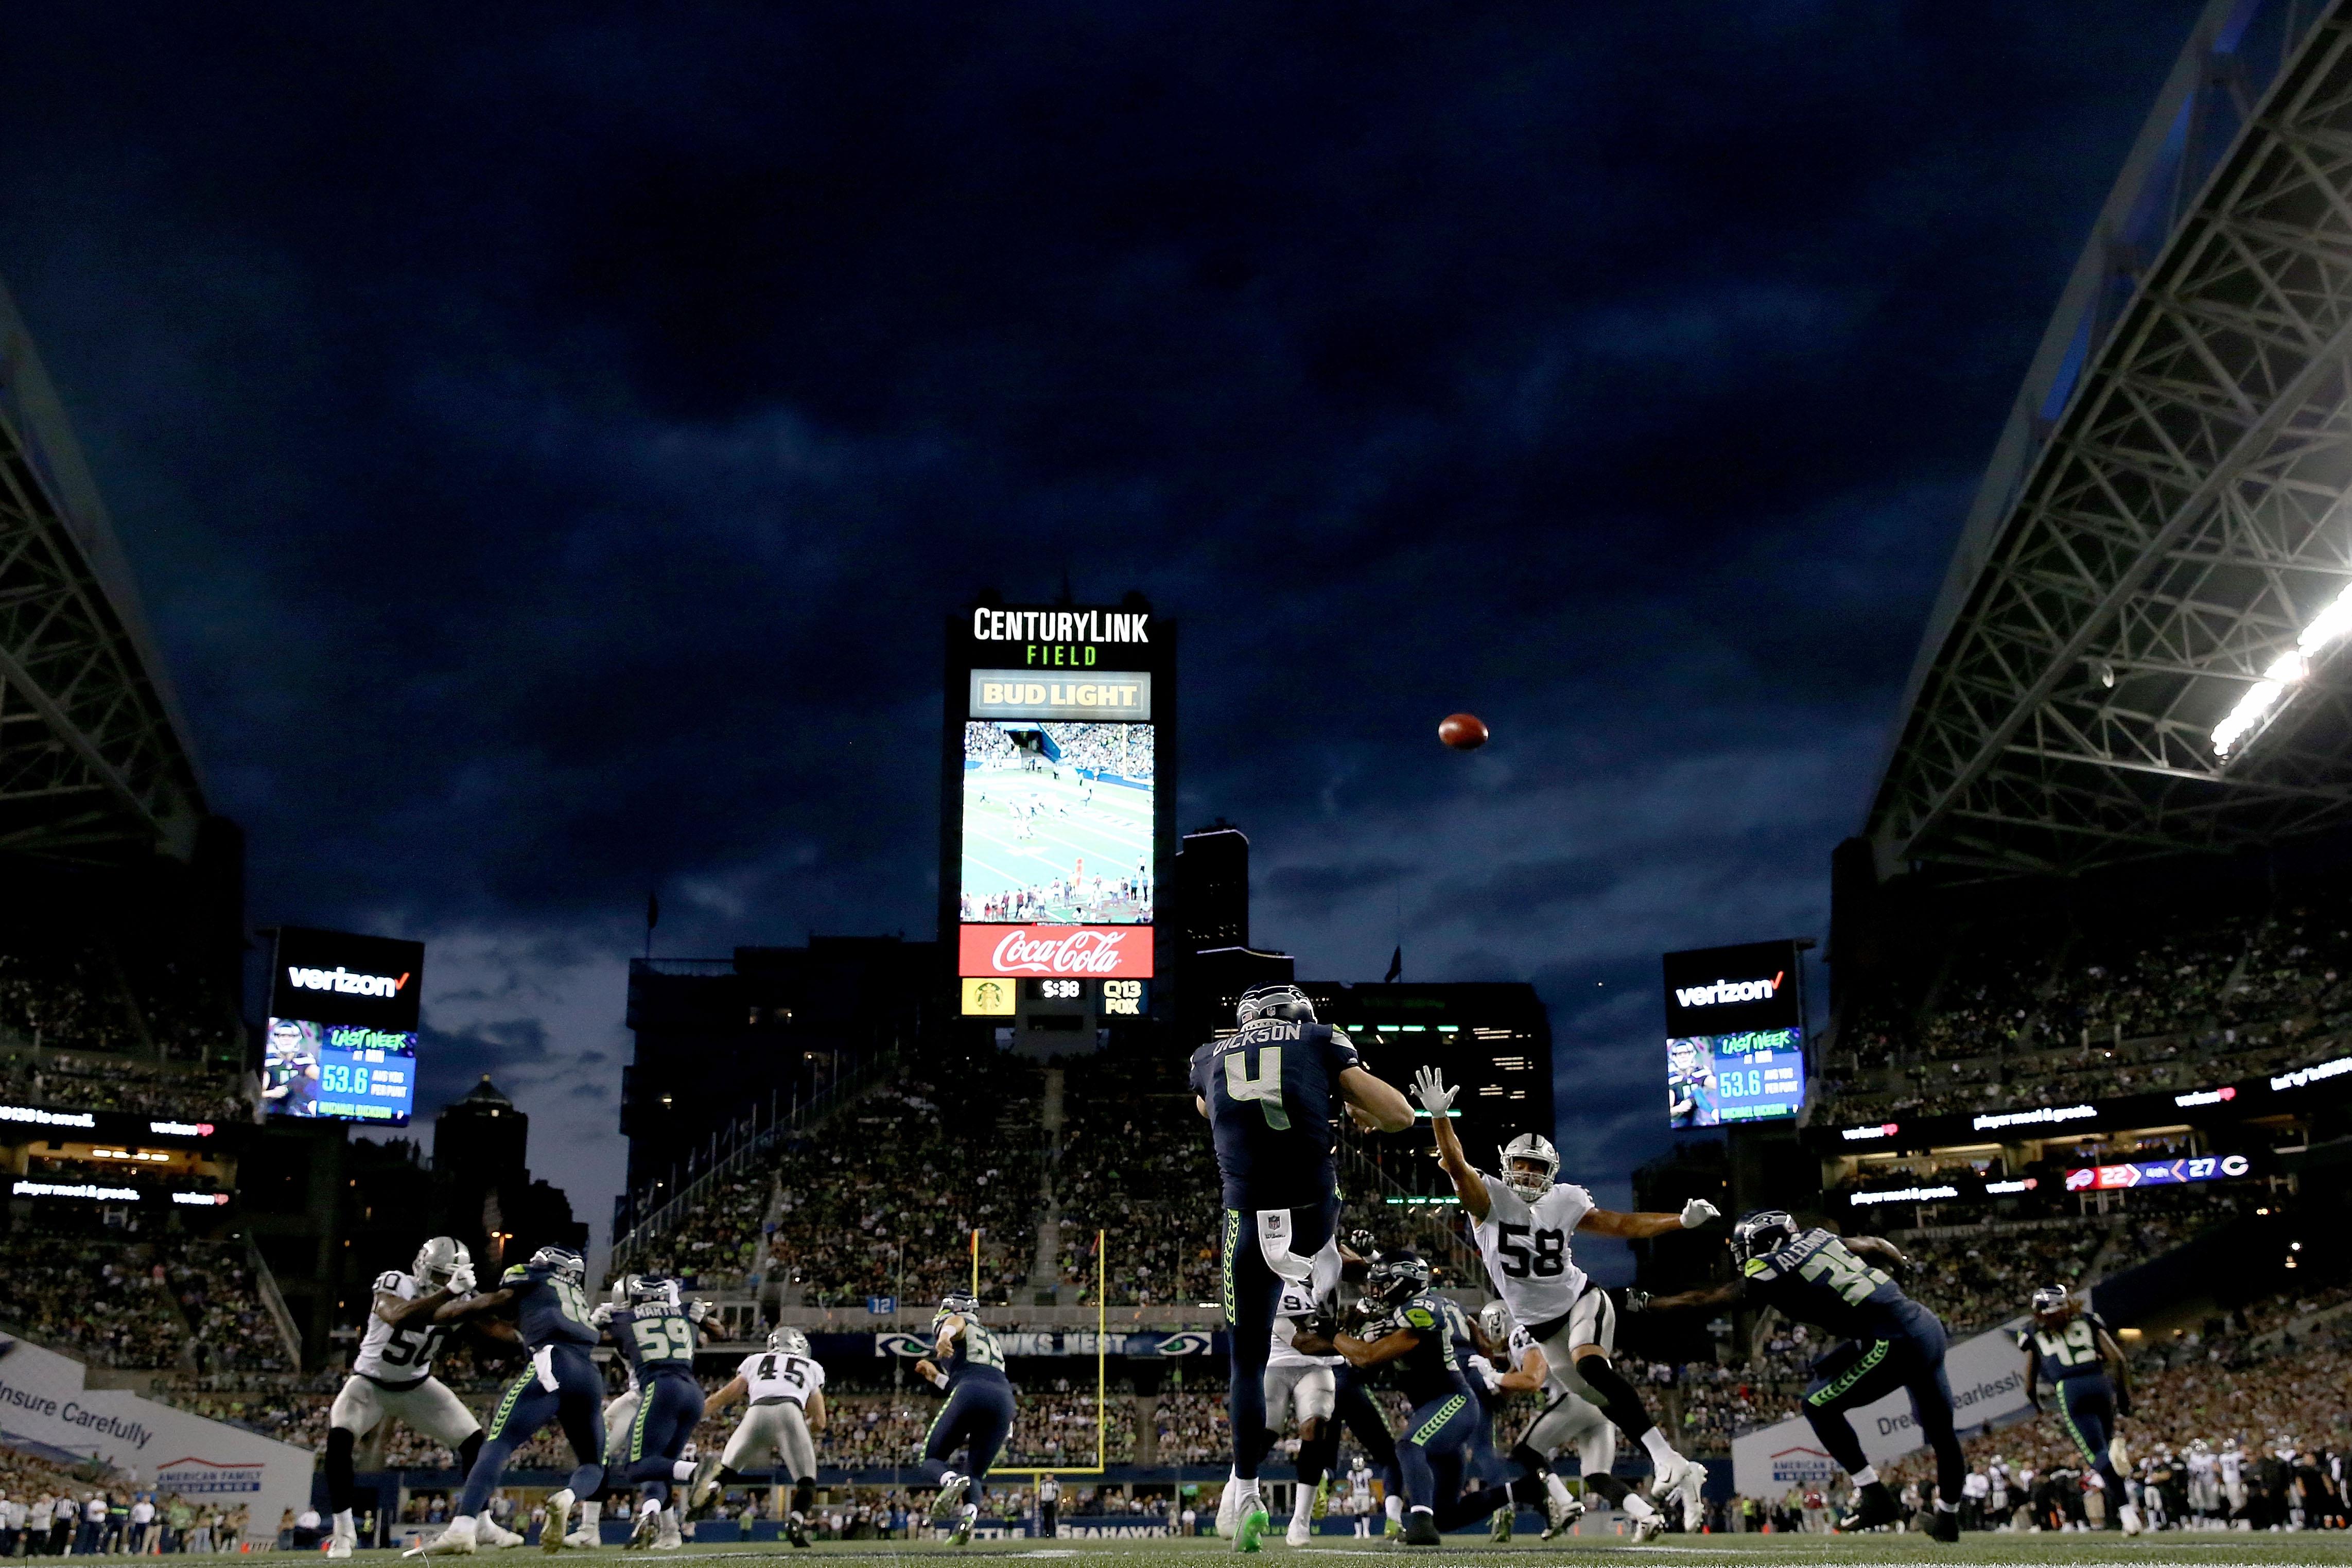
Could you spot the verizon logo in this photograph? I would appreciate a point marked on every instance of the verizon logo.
(1082, 951)
(344, 983)
(1729, 991)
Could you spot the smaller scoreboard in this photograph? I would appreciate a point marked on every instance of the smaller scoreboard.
(343, 1021)
(1735, 1035)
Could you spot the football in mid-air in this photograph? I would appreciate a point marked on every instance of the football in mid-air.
(1462, 731)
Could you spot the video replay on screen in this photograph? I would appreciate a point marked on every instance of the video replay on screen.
(1735, 1035)
(1056, 824)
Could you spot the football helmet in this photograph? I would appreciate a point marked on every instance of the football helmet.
(1397, 1276)
(1494, 1323)
(1536, 1149)
(1762, 1233)
(1273, 1002)
(624, 1287)
(956, 1304)
(437, 1261)
(649, 1289)
(2050, 1300)
(562, 1262)
(788, 1341)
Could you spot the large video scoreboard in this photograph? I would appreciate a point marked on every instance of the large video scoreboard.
(1058, 807)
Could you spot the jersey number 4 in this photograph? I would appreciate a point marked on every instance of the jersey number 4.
(1265, 1085)
(1546, 1260)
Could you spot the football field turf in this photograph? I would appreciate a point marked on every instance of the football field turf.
(2204, 1551)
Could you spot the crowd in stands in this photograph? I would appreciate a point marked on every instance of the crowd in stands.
(2020, 1015)
(883, 1199)
(57, 1078)
(74, 990)
(1135, 1165)
(129, 1302)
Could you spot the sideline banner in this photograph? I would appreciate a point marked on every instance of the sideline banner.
(43, 1401)
(1988, 1378)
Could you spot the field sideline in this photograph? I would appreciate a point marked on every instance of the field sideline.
(2216, 1550)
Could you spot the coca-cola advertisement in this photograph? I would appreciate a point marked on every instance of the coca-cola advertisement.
(1079, 951)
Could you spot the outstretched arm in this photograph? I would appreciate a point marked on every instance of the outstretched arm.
(1715, 1296)
(1886, 1251)
(473, 1306)
(1373, 1104)
(1468, 1185)
(1642, 1226)
(1375, 1352)
(735, 1390)
(814, 1410)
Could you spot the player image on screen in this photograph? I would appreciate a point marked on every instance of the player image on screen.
(289, 1067)
(1690, 1084)
(1056, 822)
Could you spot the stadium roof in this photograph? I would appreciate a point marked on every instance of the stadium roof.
(93, 758)
(2164, 516)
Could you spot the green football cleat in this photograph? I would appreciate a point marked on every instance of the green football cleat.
(1254, 1521)
(1501, 1530)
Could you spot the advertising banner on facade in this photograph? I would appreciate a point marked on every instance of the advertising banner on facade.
(43, 1405)
(1988, 1377)
(1082, 951)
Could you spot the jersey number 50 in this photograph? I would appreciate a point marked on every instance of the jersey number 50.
(1265, 1085)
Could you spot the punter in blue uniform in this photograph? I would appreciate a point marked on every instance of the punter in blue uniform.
(561, 1385)
(1415, 1333)
(654, 1326)
(1272, 1092)
(968, 1364)
(2069, 1347)
(1891, 1343)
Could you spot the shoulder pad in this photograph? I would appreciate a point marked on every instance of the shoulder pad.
(516, 1274)
(1421, 1312)
(391, 1281)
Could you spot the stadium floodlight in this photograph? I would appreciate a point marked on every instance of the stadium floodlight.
(2286, 671)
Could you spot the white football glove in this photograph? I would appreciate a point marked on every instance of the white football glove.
(461, 1279)
(699, 1311)
(1488, 1376)
(601, 1314)
(1434, 1097)
(1698, 1212)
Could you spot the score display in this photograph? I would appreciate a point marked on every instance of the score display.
(1735, 1035)
(345, 1071)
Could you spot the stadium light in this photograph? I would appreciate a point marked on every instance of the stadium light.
(2286, 671)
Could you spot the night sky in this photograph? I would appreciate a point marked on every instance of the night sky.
(548, 437)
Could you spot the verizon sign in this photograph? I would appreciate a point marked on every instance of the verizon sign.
(1078, 951)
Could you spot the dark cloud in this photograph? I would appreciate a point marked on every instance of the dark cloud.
(548, 440)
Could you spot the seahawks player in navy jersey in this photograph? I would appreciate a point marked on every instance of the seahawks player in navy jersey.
(1272, 1092)
(968, 1365)
(1891, 1343)
(561, 1385)
(2068, 1346)
(1416, 1333)
(654, 1327)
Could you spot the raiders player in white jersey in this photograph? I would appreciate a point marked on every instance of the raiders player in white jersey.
(1573, 1418)
(392, 1376)
(1303, 1388)
(786, 1387)
(1524, 1221)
